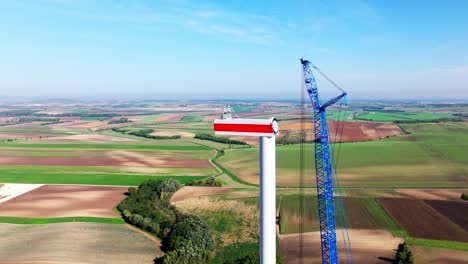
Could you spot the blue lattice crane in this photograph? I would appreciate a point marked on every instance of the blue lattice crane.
(323, 164)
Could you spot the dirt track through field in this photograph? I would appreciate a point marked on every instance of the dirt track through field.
(420, 220)
(367, 246)
(89, 243)
(64, 201)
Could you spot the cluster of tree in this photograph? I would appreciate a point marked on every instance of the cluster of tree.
(151, 200)
(203, 136)
(119, 121)
(120, 130)
(146, 133)
(190, 241)
(18, 112)
(210, 181)
(144, 223)
(404, 254)
(186, 238)
(464, 196)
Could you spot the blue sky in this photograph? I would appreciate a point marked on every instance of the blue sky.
(232, 49)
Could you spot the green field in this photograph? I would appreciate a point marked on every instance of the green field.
(192, 118)
(433, 155)
(95, 118)
(149, 118)
(109, 173)
(79, 175)
(401, 116)
(242, 109)
(344, 115)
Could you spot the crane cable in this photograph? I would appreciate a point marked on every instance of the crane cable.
(342, 218)
(302, 137)
(341, 209)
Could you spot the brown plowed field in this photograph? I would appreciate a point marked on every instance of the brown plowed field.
(65, 200)
(104, 161)
(421, 220)
(358, 215)
(352, 131)
(367, 246)
(457, 212)
(433, 194)
(195, 191)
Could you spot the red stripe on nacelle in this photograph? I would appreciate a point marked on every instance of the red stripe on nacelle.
(250, 128)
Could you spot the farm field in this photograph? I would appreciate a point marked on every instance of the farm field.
(52, 201)
(452, 210)
(416, 160)
(74, 243)
(419, 218)
(368, 246)
(351, 131)
(361, 213)
(395, 161)
(102, 163)
(439, 255)
(401, 116)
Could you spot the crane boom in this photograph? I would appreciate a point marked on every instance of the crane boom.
(323, 167)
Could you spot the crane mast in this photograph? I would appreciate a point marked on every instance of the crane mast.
(323, 167)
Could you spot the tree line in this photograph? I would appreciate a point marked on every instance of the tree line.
(146, 133)
(204, 136)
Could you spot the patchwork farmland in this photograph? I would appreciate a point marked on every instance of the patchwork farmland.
(71, 173)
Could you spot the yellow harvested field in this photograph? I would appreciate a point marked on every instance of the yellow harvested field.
(188, 192)
(173, 133)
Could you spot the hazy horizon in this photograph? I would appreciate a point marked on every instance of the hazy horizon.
(231, 49)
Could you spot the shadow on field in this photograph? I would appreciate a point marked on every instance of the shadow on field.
(389, 260)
